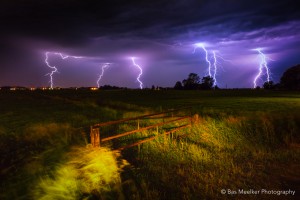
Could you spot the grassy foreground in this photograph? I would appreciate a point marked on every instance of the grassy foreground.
(242, 140)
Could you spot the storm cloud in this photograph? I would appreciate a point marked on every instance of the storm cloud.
(161, 34)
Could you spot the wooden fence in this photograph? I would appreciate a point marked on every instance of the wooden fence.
(96, 138)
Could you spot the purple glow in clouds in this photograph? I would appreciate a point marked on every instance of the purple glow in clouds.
(164, 40)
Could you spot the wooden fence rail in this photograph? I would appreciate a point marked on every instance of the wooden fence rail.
(95, 129)
(153, 137)
(139, 117)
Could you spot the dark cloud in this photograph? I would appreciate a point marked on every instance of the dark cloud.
(70, 21)
(160, 32)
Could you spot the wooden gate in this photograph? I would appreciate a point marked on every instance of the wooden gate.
(96, 139)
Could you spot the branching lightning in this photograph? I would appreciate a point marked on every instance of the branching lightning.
(104, 66)
(201, 45)
(54, 69)
(263, 65)
(210, 64)
(141, 72)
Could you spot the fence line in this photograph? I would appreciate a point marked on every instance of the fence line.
(95, 129)
(139, 117)
(153, 137)
(142, 129)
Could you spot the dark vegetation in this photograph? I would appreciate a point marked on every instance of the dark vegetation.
(290, 80)
(193, 83)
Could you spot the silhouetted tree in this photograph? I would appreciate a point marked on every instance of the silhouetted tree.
(291, 78)
(269, 85)
(207, 83)
(216, 87)
(277, 86)
(178, 86)
(153, 87)
(192, 82)
(109, 87)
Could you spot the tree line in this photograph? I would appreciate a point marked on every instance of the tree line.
(289, 80)
(194, 82)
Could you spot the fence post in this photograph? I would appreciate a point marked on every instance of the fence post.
(95, 137)
(138, 124)
(92, 136)
(139, 149)
(194, 118)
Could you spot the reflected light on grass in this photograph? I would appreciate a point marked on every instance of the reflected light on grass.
(90, 172)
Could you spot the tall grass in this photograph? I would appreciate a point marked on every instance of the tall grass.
(27, 155)
(231, 152)
(243, 139)
(90, 173)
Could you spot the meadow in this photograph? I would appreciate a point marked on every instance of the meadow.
(243, 139)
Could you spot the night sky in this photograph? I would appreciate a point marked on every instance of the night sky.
(160, 34)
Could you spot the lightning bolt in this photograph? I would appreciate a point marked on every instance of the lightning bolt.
(54, 69)
(141, 72)
(215, 68)
(263, 65)
(217, 64)
(104, 66)
(201, 45)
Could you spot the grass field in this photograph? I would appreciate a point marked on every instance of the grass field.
(243, 139)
